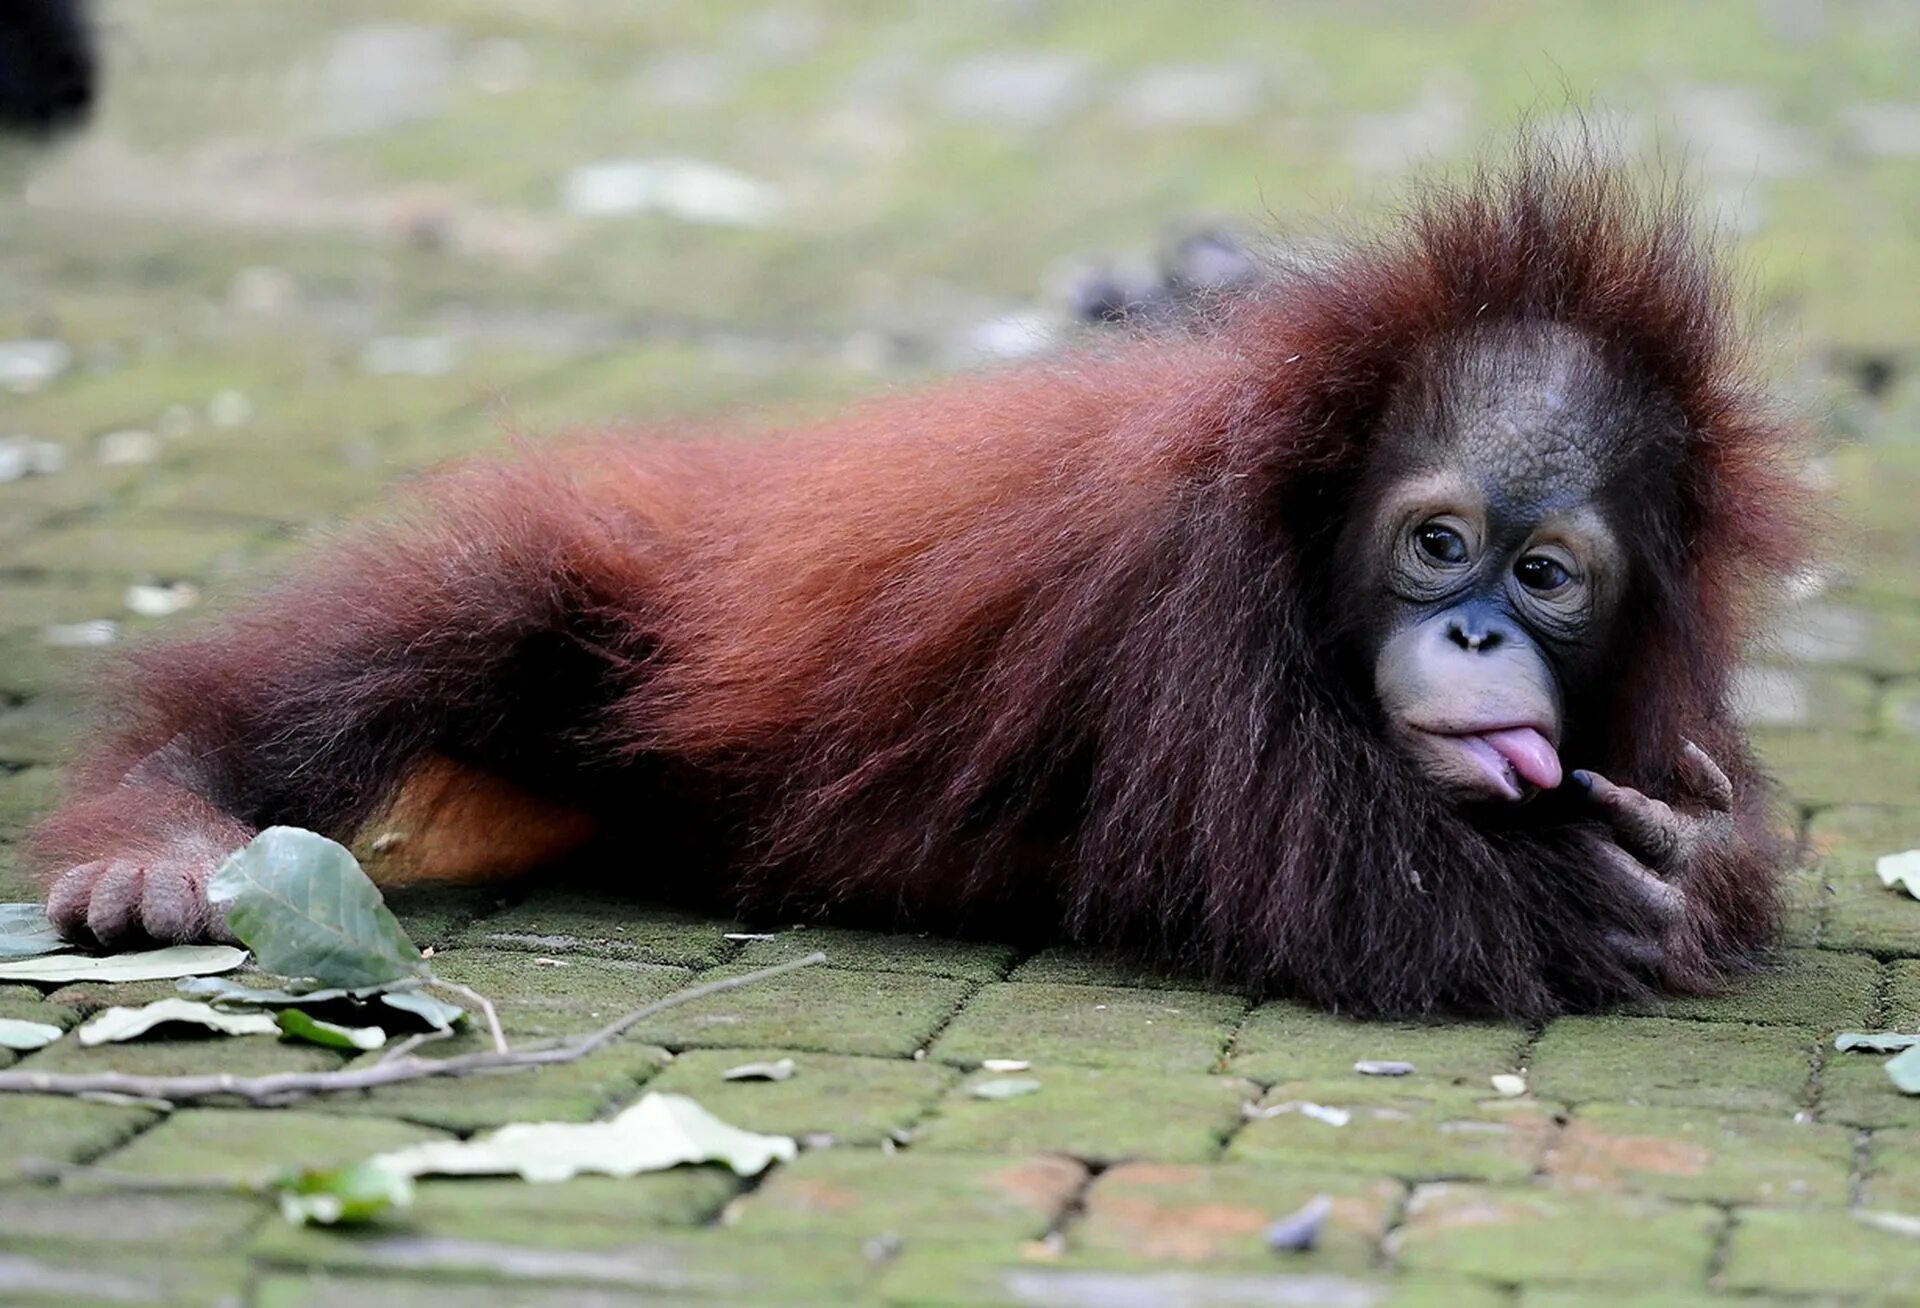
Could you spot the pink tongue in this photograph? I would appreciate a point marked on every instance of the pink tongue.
(1529, 753)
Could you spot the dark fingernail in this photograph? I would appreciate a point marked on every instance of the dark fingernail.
(1581, 778)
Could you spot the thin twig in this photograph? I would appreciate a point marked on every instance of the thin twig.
(484, 1004)
(404, 1047)
(128, 1101)
(277, 1088)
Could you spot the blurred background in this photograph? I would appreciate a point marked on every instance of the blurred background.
(301, 249)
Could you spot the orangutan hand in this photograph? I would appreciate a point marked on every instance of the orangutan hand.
(1653, 847)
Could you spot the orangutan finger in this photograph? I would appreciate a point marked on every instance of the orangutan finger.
(1646, 827)
(173, 904)
(1664, 901)
(67, 900)
(113, 906)
(1705, 778)
(1642, 952)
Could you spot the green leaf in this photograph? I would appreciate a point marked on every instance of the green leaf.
(435, 1011)
(23, 917)
(303, 1026)
(26, 933)
(343, 1196)
(16, 1033)
(1903, 1070)
(148, 965)
(1900, 871)
(1874, 1042)
(1006, 1087)
(225, 990)
(659, 1132)
(115, 1024)
(302, 904)
(404, 995)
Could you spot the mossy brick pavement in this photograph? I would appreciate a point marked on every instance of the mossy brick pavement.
(308, 250)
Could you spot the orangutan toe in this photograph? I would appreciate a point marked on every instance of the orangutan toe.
(116, 901)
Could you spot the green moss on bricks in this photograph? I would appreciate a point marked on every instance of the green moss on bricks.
(1881, 639)
(39, 1129)
(1395, 1130)
(26, 1005)
(1818, 699)
(1810, 988)
(1819, 1253)
(562, 924)
(880, 951)
(1804, 893)
(89, 997)
(73, 1278)
(1098, 1026)
(1866, 915)
(30, 666)
(240, 1055)
(1517, 1235)
(31, 606)
(855, 1101)
(983, 1275)
(319, 1289)
(1443, 1292)
(1866, 831)
(84, 1217)
(1070, 965)
(1855, 1091)
(858, 1195)
(563, 995)
(819, 1008)
(1104, 1114)
(1653, 1060)
(247, 1146)
(130, 547)
(44, 730)
(1216, 1215)
(1903, 995)
(1691, 1153)
(658, 1266)
(1900, 708)
(1531, 1297)
(1821, 768)
(17, 885)
(250, 484)
(568, 1092)
(1893, 1171)
(433, 915)
(26, 797)
(1290, 1042)
(588, 1212)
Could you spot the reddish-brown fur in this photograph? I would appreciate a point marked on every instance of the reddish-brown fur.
(1051, 651)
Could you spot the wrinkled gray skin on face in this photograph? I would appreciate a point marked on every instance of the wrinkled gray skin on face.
(1492, 568)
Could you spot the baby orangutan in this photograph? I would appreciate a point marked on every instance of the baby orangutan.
(1370, 643)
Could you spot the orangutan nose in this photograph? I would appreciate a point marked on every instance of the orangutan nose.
(1473, 633)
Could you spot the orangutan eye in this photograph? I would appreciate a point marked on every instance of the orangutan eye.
(1542, 573)
(1442, 543)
